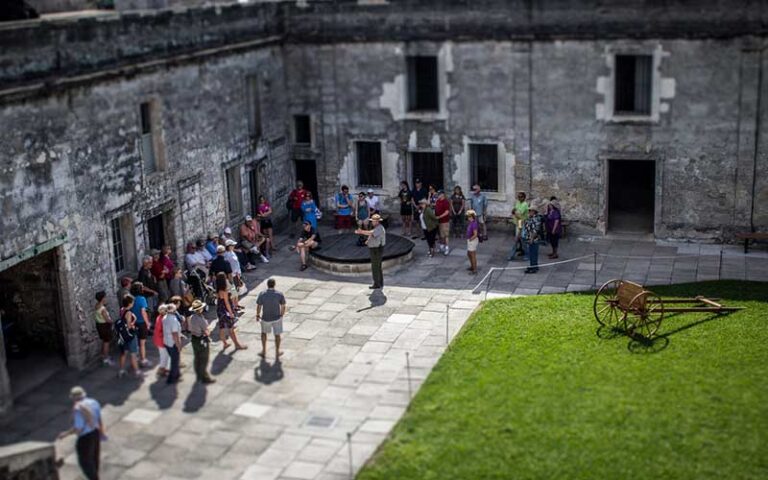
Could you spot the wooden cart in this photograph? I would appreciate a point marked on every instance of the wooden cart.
(630, 307)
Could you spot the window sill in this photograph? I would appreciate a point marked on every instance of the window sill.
(633, 119)
(426, 115)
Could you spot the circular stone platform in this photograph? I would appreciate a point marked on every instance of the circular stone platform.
(340, 254)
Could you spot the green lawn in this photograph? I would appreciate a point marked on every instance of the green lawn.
(529, 390)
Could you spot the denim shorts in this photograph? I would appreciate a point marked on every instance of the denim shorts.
(131, 346)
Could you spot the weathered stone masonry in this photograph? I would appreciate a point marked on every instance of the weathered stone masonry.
(533, 78)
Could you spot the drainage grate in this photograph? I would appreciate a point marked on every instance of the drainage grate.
(319, 421)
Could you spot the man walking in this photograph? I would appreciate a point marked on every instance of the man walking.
(377, 238)
(87, 424)
(273, 304)
(479, 203)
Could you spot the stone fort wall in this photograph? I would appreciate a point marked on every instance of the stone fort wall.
(532, 78)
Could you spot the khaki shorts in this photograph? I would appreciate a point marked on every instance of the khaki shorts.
(481, 219)
(275, 326)
(472, 245)
(445, 229)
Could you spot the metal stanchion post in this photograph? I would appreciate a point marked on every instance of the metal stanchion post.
(408, 371)
(595, 284)
(720, 265)
(447, 335)
(351, 468)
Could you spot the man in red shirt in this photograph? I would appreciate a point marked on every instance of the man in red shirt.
(294, 199)
(443, 213)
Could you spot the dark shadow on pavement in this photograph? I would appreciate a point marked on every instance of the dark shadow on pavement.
(196, 398)
(163, 394)
(377, 299)
(221, 361)
(267, 373)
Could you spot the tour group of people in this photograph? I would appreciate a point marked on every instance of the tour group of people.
(166, 303)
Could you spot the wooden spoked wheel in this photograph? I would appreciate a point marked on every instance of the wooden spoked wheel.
(645, 313)
(606, 305)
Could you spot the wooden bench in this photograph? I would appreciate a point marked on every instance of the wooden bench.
(747, 236)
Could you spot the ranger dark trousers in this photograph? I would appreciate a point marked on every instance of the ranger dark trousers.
(201, 351)
(377, 253)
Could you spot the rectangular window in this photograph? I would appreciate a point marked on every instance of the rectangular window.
(302, 129)
(632, 87)
(254, 106)
(234, 192)
(147, 140)
(117, 245)
(484, 166)
(123, 251)
(423, 88)
(368, 164)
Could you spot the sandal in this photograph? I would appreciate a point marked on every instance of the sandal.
(303, 267)
(241, 347)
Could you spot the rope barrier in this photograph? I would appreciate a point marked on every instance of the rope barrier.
(525, 267)
(488, 276)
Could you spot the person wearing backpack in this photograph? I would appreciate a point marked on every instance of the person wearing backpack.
(127, 339)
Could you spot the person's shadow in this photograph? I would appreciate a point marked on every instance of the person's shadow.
(267, 373)
(377, 299)
(196, 398)
(221, 361)
(163, 394)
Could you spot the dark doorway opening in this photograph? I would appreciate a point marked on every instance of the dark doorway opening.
(160, 230)
(31, 319)
(427, 167)
(253, 186)
(631, 187)
(306, 171)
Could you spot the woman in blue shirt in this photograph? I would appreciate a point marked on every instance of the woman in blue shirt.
(309, 210)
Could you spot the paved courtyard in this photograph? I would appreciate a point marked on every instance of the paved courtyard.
(343, 375)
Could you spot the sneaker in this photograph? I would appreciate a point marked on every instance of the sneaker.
(264, 259)
(145, 363)
(120, 373)
(107, 362)
(138, 374)
(446, 251)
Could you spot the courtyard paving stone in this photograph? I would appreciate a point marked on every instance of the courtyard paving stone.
(344, 365)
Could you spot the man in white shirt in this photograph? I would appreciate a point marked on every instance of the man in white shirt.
(374, 206)
(172, 341)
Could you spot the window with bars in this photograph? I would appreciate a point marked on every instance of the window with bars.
(302, 129)
(632, 86)
(254, 106)
(118, 252)
(423, 87)
(147, 139)
(234, 192)
(484, 166)
(368, 164)
(123, 243)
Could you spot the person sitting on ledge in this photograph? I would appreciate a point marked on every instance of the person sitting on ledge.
(307, 241)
